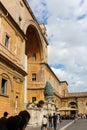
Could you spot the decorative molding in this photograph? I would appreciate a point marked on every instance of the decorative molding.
(12, 65)
(7, 15)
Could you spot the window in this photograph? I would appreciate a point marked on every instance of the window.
(34, 77)
(34, 57)
(3, 86)
(6, 41)
(33, 99)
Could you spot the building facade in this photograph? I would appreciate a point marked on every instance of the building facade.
(24, 68)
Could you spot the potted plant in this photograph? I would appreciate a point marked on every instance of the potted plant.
(40, 103)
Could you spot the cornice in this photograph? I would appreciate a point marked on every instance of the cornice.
(33, 16)
(13, 66)
(29, 9)
(51, 71)
(54, 73)
(39, 88)
(12, 21)
(77, 95)
(58, 95)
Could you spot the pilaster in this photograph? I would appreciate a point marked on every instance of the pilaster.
(1, 27)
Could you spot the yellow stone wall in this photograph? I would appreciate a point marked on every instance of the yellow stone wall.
(57, 101)
(35, 93)
(15, 87)
(15, 52)
(11, 58)
(63, 88)
(58, 86)
(18, 8)
(82, 105)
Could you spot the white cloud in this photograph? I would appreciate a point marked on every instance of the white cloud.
(66, 23)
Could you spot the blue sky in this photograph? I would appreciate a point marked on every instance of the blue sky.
(66, 23)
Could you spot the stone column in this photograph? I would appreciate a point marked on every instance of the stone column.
(25, 84)
(0, 28)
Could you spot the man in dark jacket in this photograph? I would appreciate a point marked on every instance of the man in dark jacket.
(50, 121)
(55, 121)
(3, 121)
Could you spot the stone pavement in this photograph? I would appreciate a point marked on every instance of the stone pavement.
(62, 126)
(80, 124)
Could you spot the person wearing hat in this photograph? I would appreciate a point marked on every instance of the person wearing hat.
(3, 121)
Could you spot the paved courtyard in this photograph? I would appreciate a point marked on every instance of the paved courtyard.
(81, 124)
(63, 124)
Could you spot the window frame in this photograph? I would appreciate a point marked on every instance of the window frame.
(4, 86)
(6, 41)
(33, 99)
(33, 76)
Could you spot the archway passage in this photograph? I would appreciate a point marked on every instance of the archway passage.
(73, 105)
(33, 45)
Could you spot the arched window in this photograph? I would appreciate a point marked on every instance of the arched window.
(73, 105)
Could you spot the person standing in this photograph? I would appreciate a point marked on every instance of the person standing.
(59, 119)
(25, 118)
(44, 122)
(18, 122)
(50, 121)
(55, 121)
(3, 121)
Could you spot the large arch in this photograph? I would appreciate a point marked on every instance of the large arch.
(33, 44)
(34, 49)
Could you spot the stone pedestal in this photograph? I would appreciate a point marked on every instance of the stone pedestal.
(37, 113)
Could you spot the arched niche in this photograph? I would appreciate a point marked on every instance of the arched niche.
(73, 105)
(33, 46)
